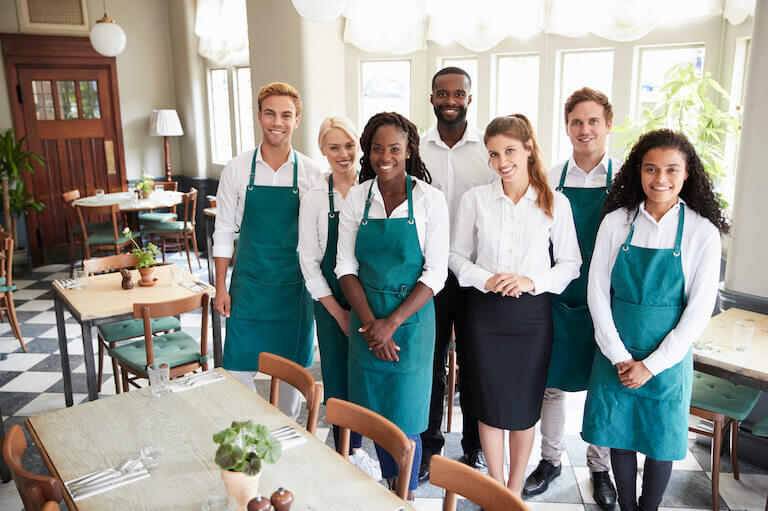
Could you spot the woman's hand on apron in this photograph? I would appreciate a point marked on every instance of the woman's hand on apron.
(222, 303)
(633, 373)
(378, 332)
(388, 351)
(509, 284)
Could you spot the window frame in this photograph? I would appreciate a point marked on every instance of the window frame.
(494, 99)
(359, 89)
(235, 134)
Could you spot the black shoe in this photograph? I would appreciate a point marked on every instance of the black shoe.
(604, 492)
(539, 480)
(424, 468)
(475, 459)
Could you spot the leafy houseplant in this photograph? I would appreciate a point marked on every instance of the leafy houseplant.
(242, 448)
(13, 161)
(146, 185)
(147, 257)
(687, 105)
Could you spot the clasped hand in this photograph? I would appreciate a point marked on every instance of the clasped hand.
(378, 334)
(509, 284)
(633, 373)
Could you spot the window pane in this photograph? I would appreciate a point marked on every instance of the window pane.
(43, 97)
(592, 69)
(67, 100)
(89, 98)
(470, 66)
(654, 64)
(244, 99)
(517, 86)
(386, 88)
(221, 130)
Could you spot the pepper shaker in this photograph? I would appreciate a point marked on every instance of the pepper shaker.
(259, 503)
(282, 500)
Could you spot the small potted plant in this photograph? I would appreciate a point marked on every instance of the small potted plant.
(243, 447)
(145, 186)
(147, 258)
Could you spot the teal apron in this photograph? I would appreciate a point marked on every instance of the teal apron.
(647, 299)
(391, 262)
(331, 340)
(271, 308)
(574, 346)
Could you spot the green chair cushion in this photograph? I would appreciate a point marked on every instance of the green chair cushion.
(4, 288)
(130, 328)
(176, 226)
(146, 218)
(174, 349)
(761, 428)
(92, 227)
(721, 396)
(107, 238)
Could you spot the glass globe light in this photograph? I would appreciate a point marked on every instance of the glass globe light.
(107, 37)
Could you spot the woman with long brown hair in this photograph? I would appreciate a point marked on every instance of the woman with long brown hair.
(501, 251)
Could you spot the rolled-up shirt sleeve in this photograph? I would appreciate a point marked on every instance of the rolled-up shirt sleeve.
(463, 242)
(310, 252)
(436, 242)
(226, 212)
(349, 223)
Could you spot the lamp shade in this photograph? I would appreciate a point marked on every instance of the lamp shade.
(107, 37)
(165, 123)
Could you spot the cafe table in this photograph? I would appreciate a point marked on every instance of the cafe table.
(105, 301)
(714, 353)
(131, 206)
(79, 440)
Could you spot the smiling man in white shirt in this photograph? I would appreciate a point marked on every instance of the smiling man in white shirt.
(455, 155)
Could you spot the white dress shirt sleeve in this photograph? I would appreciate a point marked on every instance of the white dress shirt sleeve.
(310, 251)
(226, 213)
(349, 223)
(463, 243)
(565, 251)
(698, 309)
(436, 241)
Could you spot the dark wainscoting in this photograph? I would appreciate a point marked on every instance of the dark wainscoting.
(205, 186)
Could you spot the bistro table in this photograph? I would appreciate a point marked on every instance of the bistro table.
(714, 353)
(76, 441)
(105, 301)
(131, 206)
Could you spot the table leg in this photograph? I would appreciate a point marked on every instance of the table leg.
(90, 366)
(132, 219)
(209, 249)
(217, 348)
(66, 372)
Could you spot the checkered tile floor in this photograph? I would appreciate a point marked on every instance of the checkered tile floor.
(30, 384)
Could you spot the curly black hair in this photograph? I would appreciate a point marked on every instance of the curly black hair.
(627, 192)
(413, 165)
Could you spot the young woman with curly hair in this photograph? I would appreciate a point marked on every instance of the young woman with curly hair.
(652, 287)
(392, 259)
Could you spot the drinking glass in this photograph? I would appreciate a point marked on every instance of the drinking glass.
(743, 331)
(176, 275)
(99, 193)
(150, 435)
(219, 503)
(81, 278)
(159, 376)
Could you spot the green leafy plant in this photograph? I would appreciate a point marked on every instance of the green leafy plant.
(244, 446)
(688, 104)
(14, 159)
(147, 256)
(146, 184)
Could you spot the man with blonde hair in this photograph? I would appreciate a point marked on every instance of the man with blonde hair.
(267, 306)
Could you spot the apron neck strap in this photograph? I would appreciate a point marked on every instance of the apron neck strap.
(565, 171)
(609, 175)
(295, 185)
(409, 194)
(253, 169)
(330, 194)
(625, 246)
(678, 237)
(562, 177)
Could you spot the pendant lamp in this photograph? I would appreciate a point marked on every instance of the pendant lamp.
(107, 37)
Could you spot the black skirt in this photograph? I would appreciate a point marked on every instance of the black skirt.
(509, 343)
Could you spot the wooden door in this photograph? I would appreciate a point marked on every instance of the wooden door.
(67, 106)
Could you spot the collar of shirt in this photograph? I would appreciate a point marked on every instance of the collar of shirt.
(417, 190)
(470, 135)
(321, 183)
(666, 217)
(601, 168)
(497, 192)
(290, 159)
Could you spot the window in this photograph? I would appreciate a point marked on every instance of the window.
(592, 68)
(740, 61)
(43, 97)
(468, 64)
(654, 64)
(385, 87)
(244, 101)
(89, 97)
(516, 88)
(67, 100)
(230, 103)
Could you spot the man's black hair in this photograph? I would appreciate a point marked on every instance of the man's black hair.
(451, 71)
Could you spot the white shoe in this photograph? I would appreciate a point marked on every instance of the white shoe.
(368, 465)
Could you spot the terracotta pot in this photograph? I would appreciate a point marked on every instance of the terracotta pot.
(145, 193)
(241, 487)
(147, 274)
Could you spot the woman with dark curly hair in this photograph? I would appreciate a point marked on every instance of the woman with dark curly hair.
(392, 259)
(652, 287)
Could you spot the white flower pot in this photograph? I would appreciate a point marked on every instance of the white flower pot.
(241, 487)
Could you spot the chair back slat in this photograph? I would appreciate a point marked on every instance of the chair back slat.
(109, 263)
(6, 268)
(112, 210)
(190, 203)
(35, 491)
(280, 368)
(168, 186)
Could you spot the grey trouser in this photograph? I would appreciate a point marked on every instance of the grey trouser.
(290, 398)
(553, 433)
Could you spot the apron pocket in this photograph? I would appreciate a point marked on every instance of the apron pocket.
(665, 386)
(253, 300)
(572, 324)
(406, 337)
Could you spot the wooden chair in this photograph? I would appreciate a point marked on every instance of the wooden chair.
(74, 231)
(726, 405)
(107, 240)
(167, 234)
(159, 216)
(7, 287)
(51, 506)
(112, 333)
(460, 479)
(280, 368)
(178, 349)
(352, 417)
(35, 491)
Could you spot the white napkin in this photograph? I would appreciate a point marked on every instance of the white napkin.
(180, 386)
(293, 442)
(136, 475)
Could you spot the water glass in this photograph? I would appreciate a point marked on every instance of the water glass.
(99, 193)
(219, 503)
(176, 275)
(150, 435)
(743, 331)
(81, 278)
(159, 376)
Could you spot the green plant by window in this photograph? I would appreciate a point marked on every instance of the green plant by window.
(244, 445)
(147, 256)
(14, 159)
(146, 184)
(688, 104)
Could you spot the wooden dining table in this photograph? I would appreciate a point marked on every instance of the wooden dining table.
(105, 301)
(715, 354)
(79, 440)
(131, 206)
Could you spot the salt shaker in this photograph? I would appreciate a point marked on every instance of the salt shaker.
(127, 279)
(282, 500)
(259, 503)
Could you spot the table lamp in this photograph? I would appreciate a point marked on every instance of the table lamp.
(165, 123)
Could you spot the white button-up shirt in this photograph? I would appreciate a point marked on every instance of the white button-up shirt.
(430, 214)
(577, 178)
(233, 184)
(494, 235)
(455, 170)
(313, 235)
(700, 257)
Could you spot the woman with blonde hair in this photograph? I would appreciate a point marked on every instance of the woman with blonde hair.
(318, 235)
(501, 251)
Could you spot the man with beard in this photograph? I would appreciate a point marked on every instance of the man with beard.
(456, 157)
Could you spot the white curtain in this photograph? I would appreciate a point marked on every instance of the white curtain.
(222, 27)
(395, 27)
